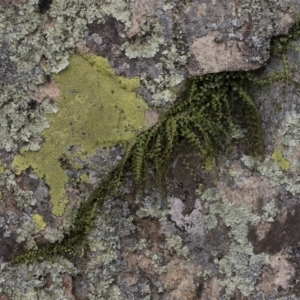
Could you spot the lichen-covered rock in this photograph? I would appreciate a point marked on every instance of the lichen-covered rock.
(79, 80)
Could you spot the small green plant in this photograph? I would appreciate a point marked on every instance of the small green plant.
(203, 117)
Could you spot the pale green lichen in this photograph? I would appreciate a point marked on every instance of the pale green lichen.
(119, 9)
(99, 290)
(156, 260)
(96, 109)
(27, 281)
(270, 168)
(39, 221)
(270, 211)
(144, 212)
(104, 254)
(22, 198)
(145, 46)
(174, 244)
(240, 267)
(167, 6)
(164, 88)
(139, 246)
(145, 291)
(54, 235)
(27, 233)
(205, 274)
(211, 221)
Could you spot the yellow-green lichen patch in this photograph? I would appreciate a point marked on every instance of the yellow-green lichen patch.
(97, 109)
(39, 221)
(283, 163)
(84, 178)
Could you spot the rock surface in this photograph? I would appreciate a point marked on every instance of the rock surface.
(228, 233)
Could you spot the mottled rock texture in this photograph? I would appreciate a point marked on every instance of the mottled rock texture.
(224, 229)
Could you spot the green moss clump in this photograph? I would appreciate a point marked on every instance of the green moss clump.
(97, 109)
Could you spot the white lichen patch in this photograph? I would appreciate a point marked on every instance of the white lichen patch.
(23, 199)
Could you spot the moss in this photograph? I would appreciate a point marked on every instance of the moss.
(96, 109)
(39, 221)
(282, 162)
(204, 119)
